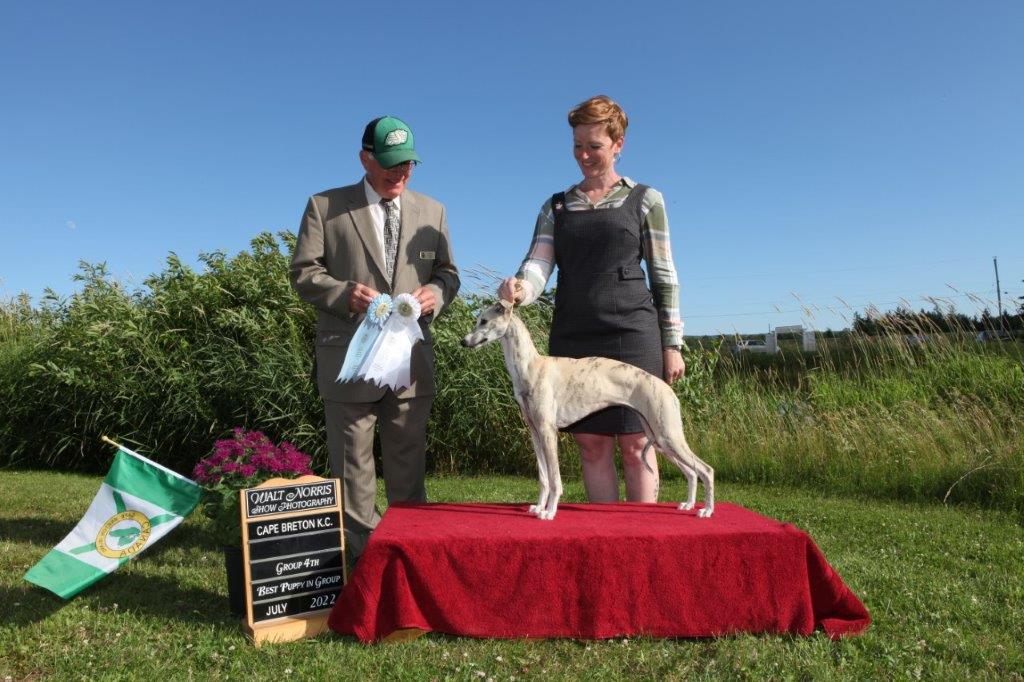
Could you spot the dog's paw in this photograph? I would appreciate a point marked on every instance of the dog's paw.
(685, 506)
(704, 513)
(545, 515)
(535, 510)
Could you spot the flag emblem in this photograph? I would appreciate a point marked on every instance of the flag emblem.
(127, 528)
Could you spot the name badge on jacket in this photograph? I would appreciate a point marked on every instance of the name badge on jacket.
(428, 255)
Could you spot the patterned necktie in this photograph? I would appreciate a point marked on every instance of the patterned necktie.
(392, 225)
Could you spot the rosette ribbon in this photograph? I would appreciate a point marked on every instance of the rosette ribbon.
(387, 363)
(365, 337)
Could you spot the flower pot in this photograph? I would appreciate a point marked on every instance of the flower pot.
(236, 580)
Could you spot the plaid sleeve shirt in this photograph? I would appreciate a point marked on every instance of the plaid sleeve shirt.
(540, 259)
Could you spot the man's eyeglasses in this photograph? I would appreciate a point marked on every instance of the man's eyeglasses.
(403, 168)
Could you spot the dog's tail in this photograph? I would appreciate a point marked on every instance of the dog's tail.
(643, 456)
(650, 442)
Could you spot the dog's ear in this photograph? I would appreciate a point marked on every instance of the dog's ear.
(506, 305)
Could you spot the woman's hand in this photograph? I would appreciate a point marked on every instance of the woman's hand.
(675, 367)
(511, 290)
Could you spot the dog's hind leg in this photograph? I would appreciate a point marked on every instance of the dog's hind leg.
(688, 472)
(676, 448)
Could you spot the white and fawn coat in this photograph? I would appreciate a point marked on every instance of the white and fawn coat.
(553, 392)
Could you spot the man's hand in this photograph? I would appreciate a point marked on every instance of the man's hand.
(511, 290)
(428, 301)
(361, 297)
(675, 367)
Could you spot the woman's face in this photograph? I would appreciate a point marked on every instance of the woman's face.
(594, 150)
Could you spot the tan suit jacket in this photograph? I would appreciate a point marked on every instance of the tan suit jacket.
(338, 248)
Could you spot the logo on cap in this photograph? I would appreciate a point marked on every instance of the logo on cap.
(396, 137)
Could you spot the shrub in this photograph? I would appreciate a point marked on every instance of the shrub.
(178, 363)
(166, 368)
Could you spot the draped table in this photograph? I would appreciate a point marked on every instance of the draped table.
(595, 571)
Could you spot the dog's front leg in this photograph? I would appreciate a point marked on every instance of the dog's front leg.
(549, 437)
(542, 469)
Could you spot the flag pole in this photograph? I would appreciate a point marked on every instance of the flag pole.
(128, 450)
(121, 447)
(146, 459)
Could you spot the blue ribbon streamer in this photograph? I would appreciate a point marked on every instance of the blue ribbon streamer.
(376, 315)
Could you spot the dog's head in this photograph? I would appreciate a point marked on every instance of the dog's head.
(491, 324)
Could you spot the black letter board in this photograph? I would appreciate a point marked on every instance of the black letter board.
(294, 552)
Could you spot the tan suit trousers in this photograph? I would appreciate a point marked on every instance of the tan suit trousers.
(350, 429)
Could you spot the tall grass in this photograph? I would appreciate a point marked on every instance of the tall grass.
(176, 364)
(886, 415)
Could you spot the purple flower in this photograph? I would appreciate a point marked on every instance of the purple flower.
(254, 438)
(249, 455)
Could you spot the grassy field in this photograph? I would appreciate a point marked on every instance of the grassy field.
(944, 585)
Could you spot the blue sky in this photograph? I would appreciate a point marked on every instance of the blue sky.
(841, 154)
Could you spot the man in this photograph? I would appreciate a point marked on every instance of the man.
(354, 242)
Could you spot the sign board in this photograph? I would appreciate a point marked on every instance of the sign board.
(294, 555)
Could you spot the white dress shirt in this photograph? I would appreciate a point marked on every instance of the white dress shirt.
(377, 211)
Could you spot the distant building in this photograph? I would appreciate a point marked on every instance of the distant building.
(809, 342)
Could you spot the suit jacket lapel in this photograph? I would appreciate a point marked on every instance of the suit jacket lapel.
(410, 219)
(360, 213)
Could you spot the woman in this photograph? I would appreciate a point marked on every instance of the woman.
(597, 232)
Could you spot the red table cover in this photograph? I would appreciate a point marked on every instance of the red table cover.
(595, 571)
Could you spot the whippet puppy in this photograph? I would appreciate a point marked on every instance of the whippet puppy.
(555, 392)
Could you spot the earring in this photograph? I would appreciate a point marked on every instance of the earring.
(618, 156)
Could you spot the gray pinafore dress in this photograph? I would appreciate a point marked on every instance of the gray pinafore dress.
(603, 306)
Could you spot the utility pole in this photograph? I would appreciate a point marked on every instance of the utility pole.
(999, 293)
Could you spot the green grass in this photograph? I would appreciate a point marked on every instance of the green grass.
(945, 587)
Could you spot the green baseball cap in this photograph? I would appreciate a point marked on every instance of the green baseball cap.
(390, 141)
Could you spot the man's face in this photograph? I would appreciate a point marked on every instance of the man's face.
(387, 182)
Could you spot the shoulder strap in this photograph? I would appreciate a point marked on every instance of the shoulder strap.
(637, 197)
(558, 203)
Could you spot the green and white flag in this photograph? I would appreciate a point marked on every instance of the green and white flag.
(138, 503)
